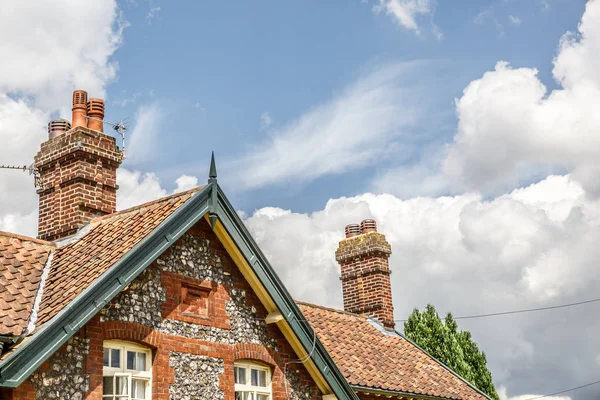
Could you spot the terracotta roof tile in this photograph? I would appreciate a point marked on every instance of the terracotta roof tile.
(79, 263)
(22, 261)
(370, 358)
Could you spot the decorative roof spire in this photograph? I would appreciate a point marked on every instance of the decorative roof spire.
(212, 173)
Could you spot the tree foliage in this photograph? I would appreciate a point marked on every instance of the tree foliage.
(454, 348)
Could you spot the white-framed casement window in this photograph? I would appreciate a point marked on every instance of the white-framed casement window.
(127, 373)
(252, 381)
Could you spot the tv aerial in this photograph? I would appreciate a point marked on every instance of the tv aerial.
(119, 127)
(37, 179)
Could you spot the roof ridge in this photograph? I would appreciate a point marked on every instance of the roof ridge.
(145, 205)
(303, 303)
(26, 238)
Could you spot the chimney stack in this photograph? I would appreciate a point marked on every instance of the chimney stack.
(79, 108)
(365, 274)
(78, 171)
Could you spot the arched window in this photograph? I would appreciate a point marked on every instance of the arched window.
(127, 372)
(252, 381)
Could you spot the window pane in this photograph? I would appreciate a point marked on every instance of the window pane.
(130, 359)
(138, 389)
(115, 358)
(262, 378)
(141, 361)
(107, 385)
(106, 357)
(262, 397)
(240, 375)
(239, 396)
(254, 377)
(122, 385)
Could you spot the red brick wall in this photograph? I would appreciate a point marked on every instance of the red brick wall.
(365, 276)
(78, 180)
(161, 343)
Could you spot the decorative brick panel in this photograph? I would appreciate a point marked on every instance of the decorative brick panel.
(78, 180)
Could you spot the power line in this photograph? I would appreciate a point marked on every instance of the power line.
(519, 311)
(563, 391)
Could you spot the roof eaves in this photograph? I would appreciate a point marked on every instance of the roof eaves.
(396, 393)
(15, 368)
(444, 366)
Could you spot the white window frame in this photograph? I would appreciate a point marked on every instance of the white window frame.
(108, 371)
(248, 387)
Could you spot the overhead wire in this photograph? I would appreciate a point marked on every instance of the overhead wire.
(518, 311)
(563, 391)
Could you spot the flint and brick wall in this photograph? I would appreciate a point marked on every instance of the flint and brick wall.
(365, 276)
(78, 181)
(198, 314)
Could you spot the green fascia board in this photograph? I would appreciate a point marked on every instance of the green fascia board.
(281, 297)
(24, 360)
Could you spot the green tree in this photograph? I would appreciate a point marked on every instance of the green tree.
(454, 348)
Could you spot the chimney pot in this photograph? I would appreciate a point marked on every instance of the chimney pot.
(352, 230)
(58, 127)
(95, 110)
(368, 225)
(79, 108)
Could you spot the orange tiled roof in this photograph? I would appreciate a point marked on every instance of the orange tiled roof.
(22, 261)
(77, 265)
(372, 359)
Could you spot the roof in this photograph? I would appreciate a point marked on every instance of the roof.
(370, 357)
(76, 265)
(22, 261)
(88, 270)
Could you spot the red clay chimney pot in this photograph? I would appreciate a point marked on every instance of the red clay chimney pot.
(352, 230)
(79, 108)
(58, 127)
(95, 110)
(368, 225)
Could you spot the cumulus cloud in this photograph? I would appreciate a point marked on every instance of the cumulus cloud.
(535, 246)
(185, 182)
(356, 128)
(142, 143)
(510, 126)
(408, 12)
(515, 20)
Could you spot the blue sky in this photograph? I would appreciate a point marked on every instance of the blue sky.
(214, 69)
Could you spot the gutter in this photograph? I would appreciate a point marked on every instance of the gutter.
(393, 393)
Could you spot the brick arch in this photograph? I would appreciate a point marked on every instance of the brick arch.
(254, 352)
(131, 331)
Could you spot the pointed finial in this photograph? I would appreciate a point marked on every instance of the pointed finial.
(212, 173)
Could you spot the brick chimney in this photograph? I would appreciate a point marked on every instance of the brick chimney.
(78, 171)
(365, 274)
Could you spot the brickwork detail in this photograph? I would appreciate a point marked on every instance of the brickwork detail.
(365, 276)
(66, 377)
(78, 180)
(196, 377)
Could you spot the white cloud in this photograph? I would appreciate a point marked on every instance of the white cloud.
(358, 127)
(265, 120)
(407, 12)
(70, 47)
(536, 246)
(142, 142)
(504, 396)
(515, 20)
(509, 125)
(185, 182)
(152, 13)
